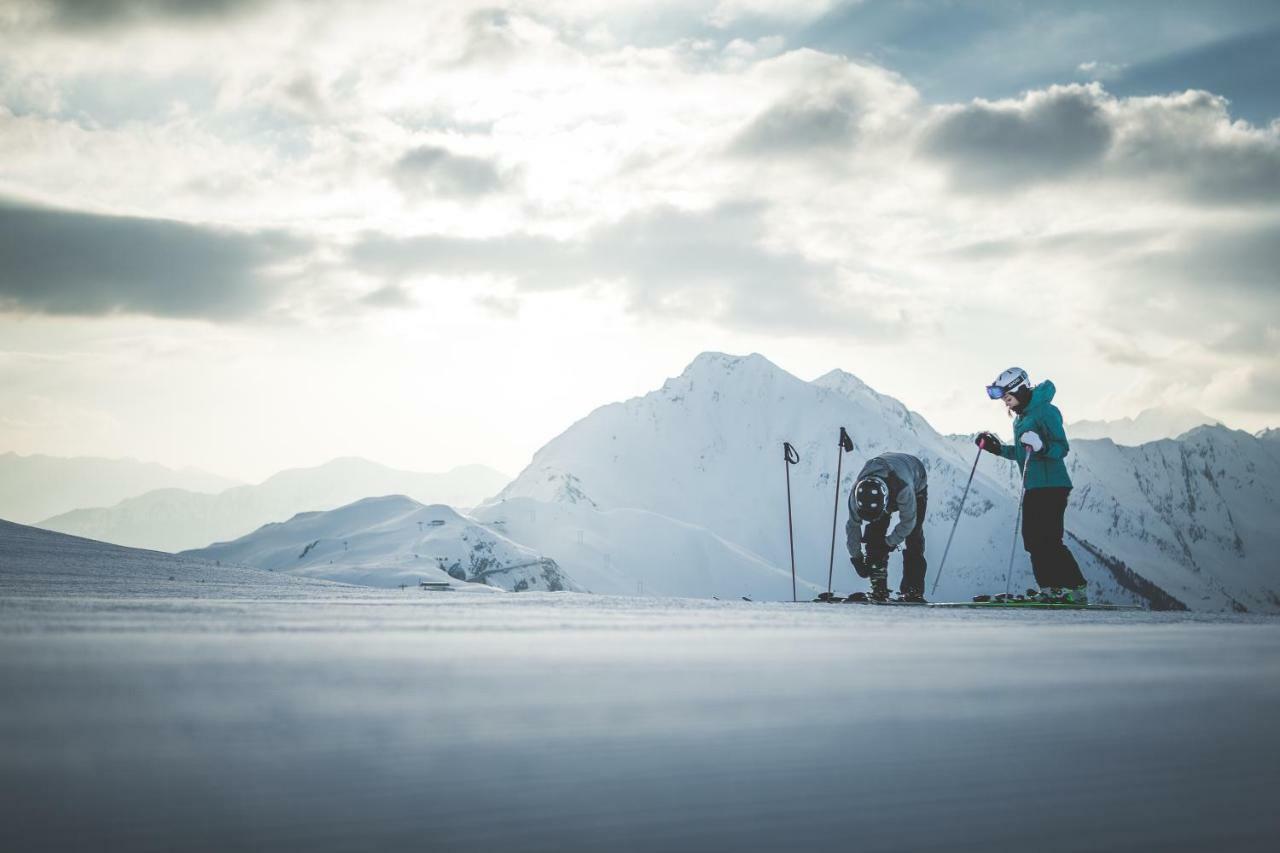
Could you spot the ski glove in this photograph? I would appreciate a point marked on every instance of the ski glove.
(859, 561)
(1030, 439)
(988, 442)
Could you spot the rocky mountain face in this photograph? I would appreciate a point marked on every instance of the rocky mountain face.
(1196, 515)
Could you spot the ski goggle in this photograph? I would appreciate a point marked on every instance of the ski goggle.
(995, 392)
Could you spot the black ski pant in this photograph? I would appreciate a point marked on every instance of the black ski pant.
(1043, 511)
(913, 562)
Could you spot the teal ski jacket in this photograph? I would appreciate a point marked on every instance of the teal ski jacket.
(1043, 418)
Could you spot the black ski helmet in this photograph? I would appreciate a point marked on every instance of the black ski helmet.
(871, 498)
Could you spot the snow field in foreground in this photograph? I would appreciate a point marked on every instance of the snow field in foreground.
(333, 718)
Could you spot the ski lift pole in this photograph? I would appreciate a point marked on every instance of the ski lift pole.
(959, 512)
(846, 444)
(1017, 525)
(789, 454)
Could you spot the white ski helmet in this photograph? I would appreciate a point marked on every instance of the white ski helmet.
(871, 498)
(1007, 382)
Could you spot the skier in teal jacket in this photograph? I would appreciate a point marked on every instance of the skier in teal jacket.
(1039, 447)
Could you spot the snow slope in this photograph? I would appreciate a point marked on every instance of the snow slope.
(389, 541)
(175, 520)
(706, 449)
(1149, 425)
(42, 563)
(633, 551)
(36, 487)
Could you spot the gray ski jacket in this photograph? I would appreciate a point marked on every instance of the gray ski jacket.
(907, 477)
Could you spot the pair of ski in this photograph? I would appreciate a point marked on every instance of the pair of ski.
(980, 602)
(1030, 602)
(863, 598)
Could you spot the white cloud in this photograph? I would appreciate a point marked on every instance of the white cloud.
(1096, 70)
(1185, 143)
(728, 12)
(567, 174)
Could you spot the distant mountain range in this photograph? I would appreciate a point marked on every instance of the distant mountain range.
(178, 520)
(37, 487)
(1149, 425)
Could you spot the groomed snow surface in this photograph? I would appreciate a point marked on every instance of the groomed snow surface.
(154, 702)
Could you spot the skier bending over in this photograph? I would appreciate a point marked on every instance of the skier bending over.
(889, 483)
(1041, 443)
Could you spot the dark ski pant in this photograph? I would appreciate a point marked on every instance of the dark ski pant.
(1043, 511)
(913, 562)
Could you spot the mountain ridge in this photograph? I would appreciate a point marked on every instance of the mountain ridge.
(1152, 424)
(177, 520)
(38, 486)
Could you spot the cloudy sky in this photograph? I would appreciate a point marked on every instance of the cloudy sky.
(253, 235)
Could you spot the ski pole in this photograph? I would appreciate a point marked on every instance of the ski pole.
(1017, 525)
(959, 512)
(846, 444)
(789, 454)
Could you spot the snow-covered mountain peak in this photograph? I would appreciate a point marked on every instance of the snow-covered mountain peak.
(380, 509)
(712, 365)
(713, 374)
(843, 382)
(341, 466)
(1214, 433)
(392, 540)
(851, 387)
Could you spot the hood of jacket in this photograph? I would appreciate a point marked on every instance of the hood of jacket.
(1041, 395)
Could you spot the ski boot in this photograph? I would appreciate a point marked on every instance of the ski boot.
(1078, 595)
(879, 584)
(911, 596)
